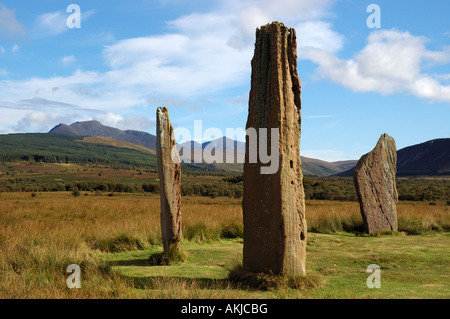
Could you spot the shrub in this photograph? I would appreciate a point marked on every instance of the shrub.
(232, 230)
(76, 193)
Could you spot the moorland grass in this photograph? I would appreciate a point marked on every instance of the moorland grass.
(112, 238)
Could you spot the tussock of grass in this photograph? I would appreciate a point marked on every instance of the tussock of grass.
(263, 281)
(121, 242)
(232, 230)
(173, 256)
(200, 232)
(416, 225)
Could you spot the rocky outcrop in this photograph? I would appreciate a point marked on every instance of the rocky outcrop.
(274, 204)
(374, 178)
(169, 170)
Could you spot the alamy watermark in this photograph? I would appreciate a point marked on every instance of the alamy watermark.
(74, 20)
(374, 20)
(74, 278)
(374, 280)
(260, 150)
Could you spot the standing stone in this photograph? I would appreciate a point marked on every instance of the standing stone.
(169, 170)
(274, 204)
(374, 178)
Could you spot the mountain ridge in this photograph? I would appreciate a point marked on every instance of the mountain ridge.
(95, 128)
(427, 158)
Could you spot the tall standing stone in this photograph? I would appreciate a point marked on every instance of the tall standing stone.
(374, 178)
(169, 170)
(274, 204)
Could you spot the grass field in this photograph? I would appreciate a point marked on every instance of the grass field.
(111, 239)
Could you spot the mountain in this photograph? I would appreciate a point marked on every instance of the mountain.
(95, 128)
(428, 158)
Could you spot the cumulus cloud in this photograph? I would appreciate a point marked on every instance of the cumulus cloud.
(318, 35)
(391, 62)
(9, 26)
(38, 121)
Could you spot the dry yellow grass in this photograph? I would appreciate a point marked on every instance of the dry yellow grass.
(40, 236)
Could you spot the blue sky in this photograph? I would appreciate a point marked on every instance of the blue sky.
(194, 57)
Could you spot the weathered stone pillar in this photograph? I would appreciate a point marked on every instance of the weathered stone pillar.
(169, 170)
(274, 204)
(374, 178)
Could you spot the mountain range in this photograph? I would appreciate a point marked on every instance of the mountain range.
(91, 137)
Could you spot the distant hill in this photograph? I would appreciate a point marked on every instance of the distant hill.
(97, 133)
(95, 128)
(428, 158)
(311, 166)
(110, 144)
(60, 148)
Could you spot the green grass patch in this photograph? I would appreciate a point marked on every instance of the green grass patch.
(411, 267)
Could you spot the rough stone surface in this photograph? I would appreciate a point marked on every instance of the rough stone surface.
(274, 204)
(169, 182)
(374, 178)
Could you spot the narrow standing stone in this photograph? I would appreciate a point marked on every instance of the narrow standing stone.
(374, 178)
(169, 170)
(274, 204)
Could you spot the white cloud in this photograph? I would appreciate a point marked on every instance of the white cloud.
(132, 122)
(9, 26)
(2, 50)
(203, 54)
(51, 23)
(36, 121)
(3, 72)
(391, 62)
(15, 48)
(68, 59)
(319, 35)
